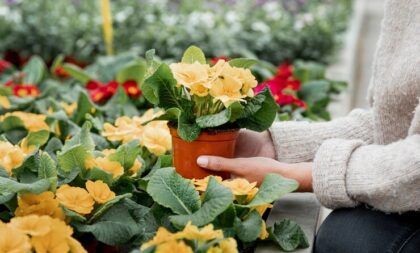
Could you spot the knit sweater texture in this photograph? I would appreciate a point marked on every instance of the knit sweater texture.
(371, 156)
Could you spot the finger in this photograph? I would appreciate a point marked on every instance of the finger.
(217, 163)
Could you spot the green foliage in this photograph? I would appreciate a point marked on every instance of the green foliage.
(193, 54)
(249, 229)
(288, 235)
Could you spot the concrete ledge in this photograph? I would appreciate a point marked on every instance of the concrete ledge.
(303, 208)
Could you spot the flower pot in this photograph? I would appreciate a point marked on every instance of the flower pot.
(215, 143)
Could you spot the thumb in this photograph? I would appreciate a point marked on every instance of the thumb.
(217, 163)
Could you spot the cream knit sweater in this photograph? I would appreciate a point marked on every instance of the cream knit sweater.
(370, 156)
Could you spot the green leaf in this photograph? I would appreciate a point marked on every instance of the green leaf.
(214, 120)
(34, 70)
(159, 89)
(288, 235)
(73, 158)
(12, 122)
(217, 199)
(170, 190)
(82, 138)
(308, 71)
(249, 230)
(5, 197)
(11, 186)
(47, 169)
(272, 188)
(99, 174)
(194, 54)
(38, 138)
(133, 71)
(186, 130)
(77, 73)
(105, 207)
(126, 154)
(262, 118)
(84, 106)
(73, 215)
(314, 91)
(242, 62)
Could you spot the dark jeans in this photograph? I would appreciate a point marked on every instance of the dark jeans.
(362, 230)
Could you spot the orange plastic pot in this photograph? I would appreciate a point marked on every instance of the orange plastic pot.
(214, 143)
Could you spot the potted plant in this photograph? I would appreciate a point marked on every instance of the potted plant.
(206, 106)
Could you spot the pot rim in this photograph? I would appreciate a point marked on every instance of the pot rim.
(211, 136)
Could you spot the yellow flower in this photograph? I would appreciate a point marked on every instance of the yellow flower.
(215, 249)
(56, 240)
(228, 245)
(4, 102)
(125, 130)
(206, 233)
(173, 247)
(262, 208)
(249, 82)
(227, 89)
(240, 186)
(11, 156)
(113, 167)
(99, 191)
(32, 122)
(190, 74)
(148, 116)
(75, 198)
(41, 204)
(13, 241)
(157, 140)
(69, 108)
(162, 236)
(201, 184)
(75, 246)
(33, 225)
(264, 233)
(135, 168)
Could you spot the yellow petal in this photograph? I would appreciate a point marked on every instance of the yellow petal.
(99, 191)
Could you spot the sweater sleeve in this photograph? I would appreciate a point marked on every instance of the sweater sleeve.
(386, 177)
(299, 141)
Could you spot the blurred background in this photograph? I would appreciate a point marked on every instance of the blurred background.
(338, 34)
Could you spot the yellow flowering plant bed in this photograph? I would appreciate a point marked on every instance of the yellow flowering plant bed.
(198, 96)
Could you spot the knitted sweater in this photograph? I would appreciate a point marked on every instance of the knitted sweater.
(371, 156)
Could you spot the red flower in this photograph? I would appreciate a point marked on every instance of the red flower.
(285, 71)
(214, 60)
(93, 85)
(4, 65)
(61, 72)
(22, 90)
(131, 88)
(9, 83)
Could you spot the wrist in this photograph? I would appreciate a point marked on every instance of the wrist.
(301, 172)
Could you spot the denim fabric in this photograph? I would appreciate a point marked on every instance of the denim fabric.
(362, 230)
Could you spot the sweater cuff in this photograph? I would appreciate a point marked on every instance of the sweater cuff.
(329, 172)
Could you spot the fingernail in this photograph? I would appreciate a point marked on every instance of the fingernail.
(203, 161)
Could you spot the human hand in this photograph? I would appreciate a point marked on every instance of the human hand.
(256, 168)
(254, 144)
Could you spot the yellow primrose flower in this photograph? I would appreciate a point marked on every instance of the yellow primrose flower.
(201, 184)
(125, 130)
(75, 246)
(32, 122)
(162, 236)
(249, 82)
(187, 74)
(227, 89)
(264, 233)
(148, 116)
(206, 233)
(13, 241)
(4, 102)
(199, 89)
(157, 140)
(215, 249)
(240, 186)
(33, 225)
(173, 247)
(262, 208)
(56, 240)
(229, 245)
(135, 168)
(11, 156)
(69, 108)
(99, 191)
(75, 198)
(113, 167)
(41, 204)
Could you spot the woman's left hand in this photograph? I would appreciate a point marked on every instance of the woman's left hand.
(254, 169)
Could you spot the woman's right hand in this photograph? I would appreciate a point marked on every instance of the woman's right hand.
(254, 144)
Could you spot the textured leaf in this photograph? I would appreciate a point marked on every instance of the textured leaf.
(214, 120)
(170, 190)
(105, 207)
(272, 188)
(217, 199)
(5, 197)
(84, 106)
(262, 119)
(73, 215)
(99, 174)
(288, 235)
(11, 122)
(34, 70)
(77, 73)
(126, 154)
(186, 130)
(47, 169)
(242, 62)
(194, 54)
(249, 229)
(9, 185)
(82, 138)
(73, 158)
(38, 138)
(133, 71)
